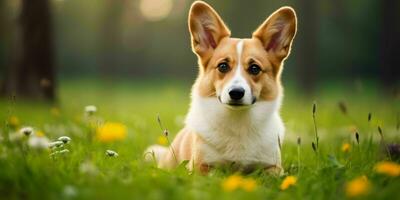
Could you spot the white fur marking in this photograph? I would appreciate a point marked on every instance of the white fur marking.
(237, 80)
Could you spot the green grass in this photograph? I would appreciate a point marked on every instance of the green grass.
(30, 174)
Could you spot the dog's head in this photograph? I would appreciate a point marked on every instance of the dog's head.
(240, 72)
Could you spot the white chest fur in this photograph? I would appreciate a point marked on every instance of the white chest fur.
(245, 136)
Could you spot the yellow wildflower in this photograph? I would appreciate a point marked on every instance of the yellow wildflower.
(39, 133)
(236, 181)
(55, 111)
(162, 140)
(388, 168)
(346, 147)
(111, 131)
(13, 121)
(232, 183)
(288, 181)
(358, 187)
(249, 184)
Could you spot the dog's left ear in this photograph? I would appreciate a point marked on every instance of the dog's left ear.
(277, 32)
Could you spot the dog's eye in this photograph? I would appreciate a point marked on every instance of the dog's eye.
(223, 67)
(254, 69)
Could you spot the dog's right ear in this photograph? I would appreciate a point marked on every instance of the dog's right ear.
(206, 28)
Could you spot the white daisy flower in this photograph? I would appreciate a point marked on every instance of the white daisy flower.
(27, 131)
(38, 142)
(111, 153)
(56, 144)
(64, 139)
(64, 151)
(90, 110)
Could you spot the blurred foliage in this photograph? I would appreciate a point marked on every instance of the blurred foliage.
(90, 33)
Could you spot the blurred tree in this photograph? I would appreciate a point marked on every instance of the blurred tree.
(389, 44)
(32, 75)
(2, 37)
(307, 44)
(111, 37)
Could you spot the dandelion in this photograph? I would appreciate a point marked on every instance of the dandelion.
(249, 184)
(288, 182)
(232, 183)
(111, 153)
(39, 133)
(346, 147)
(27, 131)
(13, 121)
(90, 109)
(358, 187)
(162, 140)
(64, 139)
(388, 168)
(111, 131)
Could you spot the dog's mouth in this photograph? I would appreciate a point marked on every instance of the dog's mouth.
(237, 104)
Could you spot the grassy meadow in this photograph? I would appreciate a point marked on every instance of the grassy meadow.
(341, 167)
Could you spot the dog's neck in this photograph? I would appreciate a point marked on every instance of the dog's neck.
(207, 117)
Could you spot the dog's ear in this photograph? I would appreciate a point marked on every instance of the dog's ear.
(206, 28)
(277, 32)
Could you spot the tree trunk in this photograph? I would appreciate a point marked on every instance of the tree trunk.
(32, 74)
(306, 40)
(389, 44)
(111, 37)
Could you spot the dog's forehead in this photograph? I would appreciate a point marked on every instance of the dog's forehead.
(249, 46)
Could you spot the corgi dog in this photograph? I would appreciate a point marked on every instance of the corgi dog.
(234, 112)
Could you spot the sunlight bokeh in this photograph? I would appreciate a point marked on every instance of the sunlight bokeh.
(155, 10)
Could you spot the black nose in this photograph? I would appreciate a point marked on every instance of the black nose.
(236, 93)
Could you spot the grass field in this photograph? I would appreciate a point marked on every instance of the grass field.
(340, 168)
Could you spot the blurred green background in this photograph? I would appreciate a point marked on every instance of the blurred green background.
(132, 59)
(338, 41)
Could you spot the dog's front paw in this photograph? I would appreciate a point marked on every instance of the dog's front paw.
(274, 170)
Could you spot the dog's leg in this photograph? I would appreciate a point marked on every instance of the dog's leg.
(170, 157)
(275, 170)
